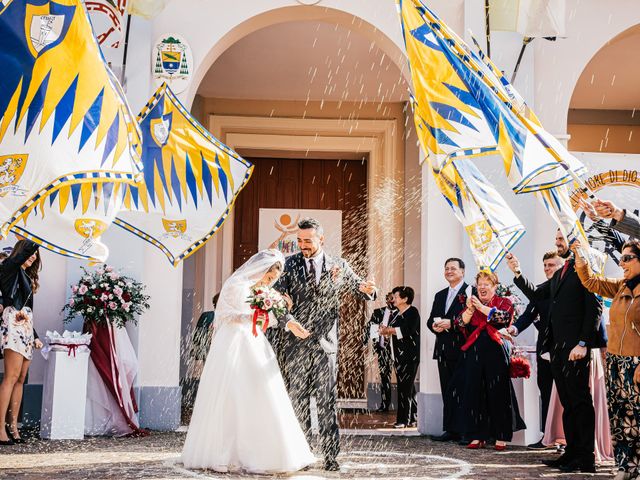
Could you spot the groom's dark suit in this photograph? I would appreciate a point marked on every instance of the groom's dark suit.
(310, 365)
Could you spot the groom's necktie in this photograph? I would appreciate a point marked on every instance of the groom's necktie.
(311, 277)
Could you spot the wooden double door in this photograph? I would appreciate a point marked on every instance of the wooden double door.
(319, 185)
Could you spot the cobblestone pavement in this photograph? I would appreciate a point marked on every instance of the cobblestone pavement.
(362, 457)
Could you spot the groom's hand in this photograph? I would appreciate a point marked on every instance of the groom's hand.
(297, 329)
(368, 287)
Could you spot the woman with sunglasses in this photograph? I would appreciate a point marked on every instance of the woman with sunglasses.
(623, 353)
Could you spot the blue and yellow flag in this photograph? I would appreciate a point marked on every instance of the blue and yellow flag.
(64, 121)
(534, 160)
(452, 129)
(493, 228)
(191, 180)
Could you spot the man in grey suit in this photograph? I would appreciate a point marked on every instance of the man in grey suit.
(315, 281)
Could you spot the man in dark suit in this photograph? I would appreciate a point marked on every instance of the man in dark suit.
(447, 305)
(382, 347)
(315, 282)
(574, 316)
(404, 333)
(537, 314)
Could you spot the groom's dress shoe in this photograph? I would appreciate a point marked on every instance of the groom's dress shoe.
(331, 465)
(446, 437)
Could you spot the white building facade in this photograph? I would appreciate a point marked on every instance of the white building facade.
(276, 78)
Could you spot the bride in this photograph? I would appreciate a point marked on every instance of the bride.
(242, 418)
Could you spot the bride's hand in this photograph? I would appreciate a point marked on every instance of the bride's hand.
(297, 329)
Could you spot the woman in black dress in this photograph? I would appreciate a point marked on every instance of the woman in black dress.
(481, 395)
(18, 283)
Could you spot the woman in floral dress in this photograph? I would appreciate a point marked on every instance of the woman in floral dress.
(18, 283)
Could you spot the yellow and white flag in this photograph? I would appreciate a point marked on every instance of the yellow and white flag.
(493, 228)
(191, 180)
(64, 122)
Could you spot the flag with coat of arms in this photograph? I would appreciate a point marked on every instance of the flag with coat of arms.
(65, 127)
(452, 130)
(191, 180)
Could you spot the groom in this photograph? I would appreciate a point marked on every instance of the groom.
(314, 281)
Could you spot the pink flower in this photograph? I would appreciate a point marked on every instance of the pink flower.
(82, 290)
(72, 302)
(112, 305)
(118, 291)
(108, 268)
(74, 289)
(104, 297)
(268, 303)
(113, 276)
(126, 306)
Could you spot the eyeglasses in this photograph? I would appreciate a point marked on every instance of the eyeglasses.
(627, 258)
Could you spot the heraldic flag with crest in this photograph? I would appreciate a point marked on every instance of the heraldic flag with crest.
(65, 128)
(451, 129)
(457, 105)
(191, 180)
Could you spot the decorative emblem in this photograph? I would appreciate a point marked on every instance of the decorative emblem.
(90, 229)
(172, 62)
(288, 228)
(175, 229)
(480, 234)
(11, 169)
(43, 29)
(160, 129)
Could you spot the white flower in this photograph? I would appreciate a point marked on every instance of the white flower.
(110, 296)
(268, 303)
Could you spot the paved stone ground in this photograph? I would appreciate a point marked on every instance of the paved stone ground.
(363, 457)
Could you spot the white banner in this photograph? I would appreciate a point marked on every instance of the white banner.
(278, 228)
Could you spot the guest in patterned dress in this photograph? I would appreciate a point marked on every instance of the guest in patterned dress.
(623, 354)
(18, 282)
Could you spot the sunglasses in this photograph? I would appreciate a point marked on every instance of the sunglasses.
(627, 258)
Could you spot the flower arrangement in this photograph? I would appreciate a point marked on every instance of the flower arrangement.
(506, 291)
(265, 301)
(106, 298)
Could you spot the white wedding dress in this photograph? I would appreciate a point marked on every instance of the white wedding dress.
(243, 419)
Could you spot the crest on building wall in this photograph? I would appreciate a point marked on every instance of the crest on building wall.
(172, 62)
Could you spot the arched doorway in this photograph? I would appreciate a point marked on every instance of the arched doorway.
(312, 95)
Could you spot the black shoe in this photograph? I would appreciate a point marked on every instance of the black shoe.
(331, 465)
(399, 425)
(558, 462)
(445, 437)
(463, 442)
(382, 409)
(578, 466)
(6, 443)
(15, 440)
(540, 446)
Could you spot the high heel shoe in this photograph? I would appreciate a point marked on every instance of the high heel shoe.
(15, 440)
(501, 448)
(476, 446)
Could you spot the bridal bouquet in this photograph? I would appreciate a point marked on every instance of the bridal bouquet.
(106, 297)
(265, 301)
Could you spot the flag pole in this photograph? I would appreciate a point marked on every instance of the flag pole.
(465, 57)
(487, 25)
(525, 41)
(126, 51)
